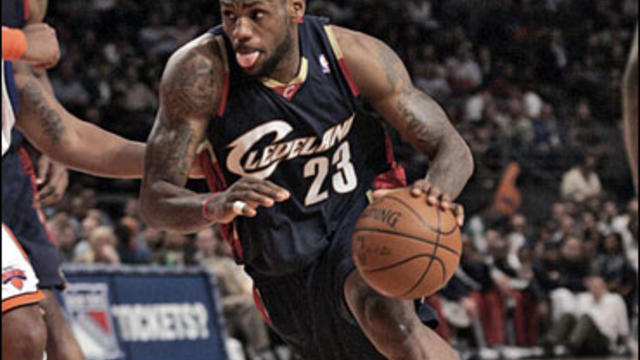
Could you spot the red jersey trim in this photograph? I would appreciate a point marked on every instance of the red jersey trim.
(27, 9)
(227, 76)
(337, 51)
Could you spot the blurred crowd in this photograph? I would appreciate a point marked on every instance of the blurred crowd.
(534, 88)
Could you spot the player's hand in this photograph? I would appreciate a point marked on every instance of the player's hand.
(43, 50)
(52, 181)
(244, 197)
(435, 197)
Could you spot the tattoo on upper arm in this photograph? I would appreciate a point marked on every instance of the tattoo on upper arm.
(192, 90)
(417, 117)
(50, 120)
(426, 131)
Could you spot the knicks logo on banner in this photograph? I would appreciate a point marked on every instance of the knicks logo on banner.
(16, 277)
(89, 308)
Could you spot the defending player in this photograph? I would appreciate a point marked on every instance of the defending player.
(273, 96)
(77, 144)
(20, 292)
(630, 99)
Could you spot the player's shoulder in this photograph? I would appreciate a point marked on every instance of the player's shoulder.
(353, 42)
(193, 78)
(376, 68)
(198, 54)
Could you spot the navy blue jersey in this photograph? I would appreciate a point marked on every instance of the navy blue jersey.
(308, 136)
(14, 13)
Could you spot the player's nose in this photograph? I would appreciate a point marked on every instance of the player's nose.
(242, 32)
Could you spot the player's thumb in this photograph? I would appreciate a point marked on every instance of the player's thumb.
(379, 194)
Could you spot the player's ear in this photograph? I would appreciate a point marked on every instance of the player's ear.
(298, 8)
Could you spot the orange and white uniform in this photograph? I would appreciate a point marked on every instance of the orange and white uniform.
(19, 281)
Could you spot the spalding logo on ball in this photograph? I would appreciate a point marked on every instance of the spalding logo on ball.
(405, 248)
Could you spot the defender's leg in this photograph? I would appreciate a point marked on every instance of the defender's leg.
(61, 344)
(24, 334)
(392, 324)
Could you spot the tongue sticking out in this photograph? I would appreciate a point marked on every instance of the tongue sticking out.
(247, 60)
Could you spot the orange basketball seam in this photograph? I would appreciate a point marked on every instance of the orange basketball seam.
(433, 257)
(413, 237)
(427, 225)
(402, 262)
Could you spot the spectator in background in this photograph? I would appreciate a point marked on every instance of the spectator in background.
(568, 279)
(157, 37)
(464, 72)
(581, 183)
(594, 326)
(138, 97)
(63, 235)
(612, 265)
(102, 247)
(236, 288)
(128, 250)
(68, 88)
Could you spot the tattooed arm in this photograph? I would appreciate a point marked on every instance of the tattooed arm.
(73, 142)
(385, 83)
(189, 96)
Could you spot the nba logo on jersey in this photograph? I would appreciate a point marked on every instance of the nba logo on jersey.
(89, 309)
(325, 64)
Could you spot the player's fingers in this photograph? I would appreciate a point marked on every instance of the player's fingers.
(434, 195)
(420, 187)
(445, 202)
(258, 199)
(271, 190)
(458, 212)
(50, 199)
(45, 192)
(44, 164)
(379, 194)
(244, 208)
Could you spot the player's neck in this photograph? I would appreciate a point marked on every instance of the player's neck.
(289, 66)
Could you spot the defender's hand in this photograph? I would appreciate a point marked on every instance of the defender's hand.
(243, 199)
(43, 50)
(52, 181)
(435, 197)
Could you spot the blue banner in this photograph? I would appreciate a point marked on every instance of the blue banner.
(144, 313)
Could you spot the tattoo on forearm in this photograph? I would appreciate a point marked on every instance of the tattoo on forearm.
(167, 158)
(50, 120)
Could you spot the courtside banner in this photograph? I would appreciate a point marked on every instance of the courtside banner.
(144, 313)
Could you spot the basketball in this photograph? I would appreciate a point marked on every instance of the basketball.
(405, 248)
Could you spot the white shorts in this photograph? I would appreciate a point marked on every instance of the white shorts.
(19, 281)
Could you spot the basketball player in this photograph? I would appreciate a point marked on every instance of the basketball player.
(630, 100)
(20, 293)
(56, 132)
(269, 99)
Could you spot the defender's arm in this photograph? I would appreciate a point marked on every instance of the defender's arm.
(630, 100)
(385, 83)
(69, 140)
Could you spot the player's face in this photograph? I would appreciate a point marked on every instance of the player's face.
(260, 31)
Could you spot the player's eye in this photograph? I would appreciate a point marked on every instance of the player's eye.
(257, 15)
(229, 16)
